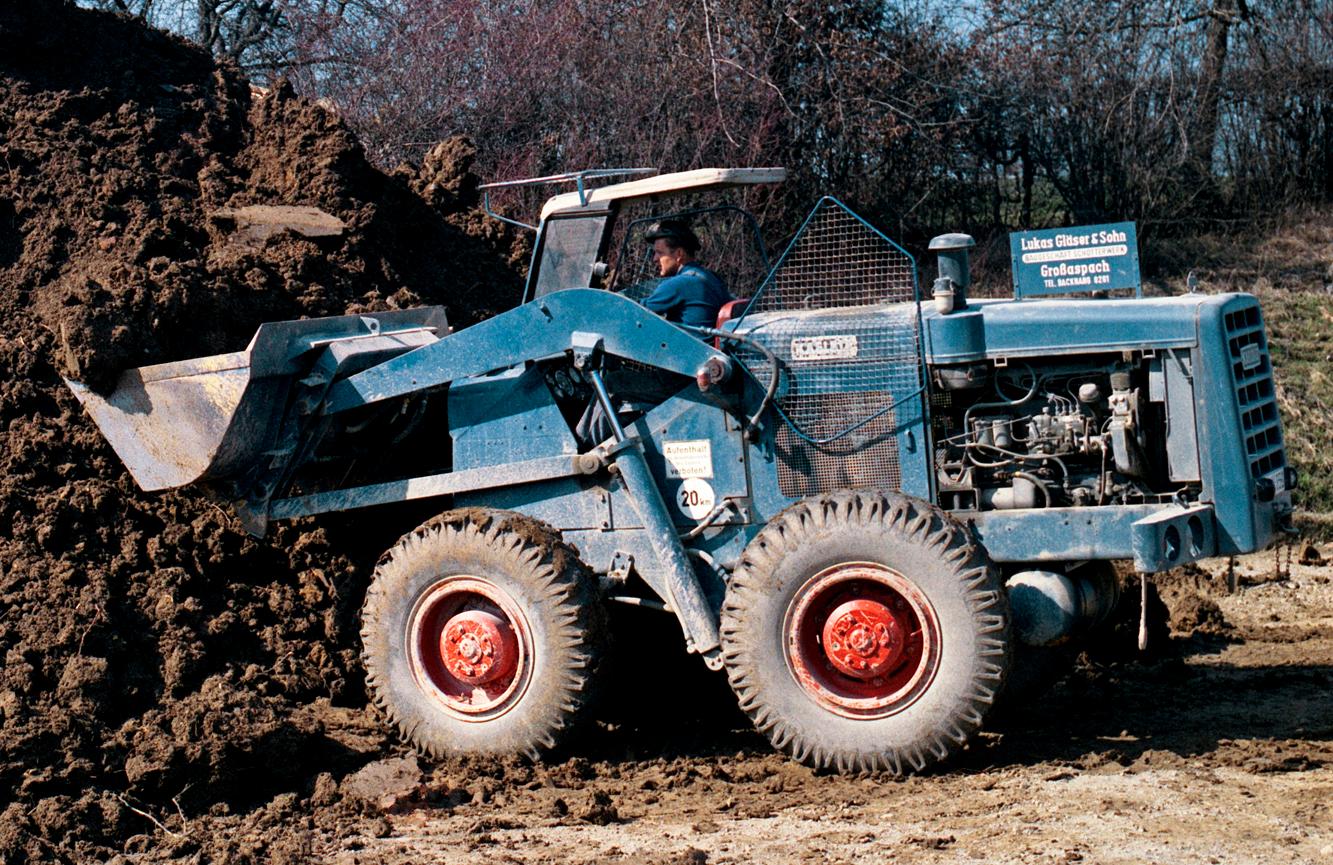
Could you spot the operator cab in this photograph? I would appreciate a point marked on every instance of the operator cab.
(594, 237)
(597, 238)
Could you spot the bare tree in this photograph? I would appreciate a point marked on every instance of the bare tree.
(1027, 112)
(237, 29)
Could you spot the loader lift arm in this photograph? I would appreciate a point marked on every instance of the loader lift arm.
(263, 454)
(552, 327)
(538, 330)
(584, 323)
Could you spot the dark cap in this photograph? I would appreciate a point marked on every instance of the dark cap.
(676, 231)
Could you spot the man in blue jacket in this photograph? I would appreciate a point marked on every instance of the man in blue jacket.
(689, 293)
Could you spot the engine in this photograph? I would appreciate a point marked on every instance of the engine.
(1044, 435)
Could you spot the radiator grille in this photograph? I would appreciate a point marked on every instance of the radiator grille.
(1252, 373)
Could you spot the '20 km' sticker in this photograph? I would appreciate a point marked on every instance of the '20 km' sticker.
(695, 498)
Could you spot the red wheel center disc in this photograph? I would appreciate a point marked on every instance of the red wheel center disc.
(478, 647)
(863, 638)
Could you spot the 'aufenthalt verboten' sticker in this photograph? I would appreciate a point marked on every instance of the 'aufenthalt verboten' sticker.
(692, 458)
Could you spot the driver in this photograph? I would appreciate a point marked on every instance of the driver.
(689, 293)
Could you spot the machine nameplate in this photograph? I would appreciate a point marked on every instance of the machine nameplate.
(840, 346)
(688, 459)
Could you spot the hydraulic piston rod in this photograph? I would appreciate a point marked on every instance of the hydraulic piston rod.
(680, 587)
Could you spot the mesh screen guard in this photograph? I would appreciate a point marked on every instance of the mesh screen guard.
(840, 314)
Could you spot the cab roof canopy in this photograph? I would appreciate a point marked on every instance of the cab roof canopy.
(699, 180)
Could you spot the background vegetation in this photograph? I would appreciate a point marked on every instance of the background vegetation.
(992, 114)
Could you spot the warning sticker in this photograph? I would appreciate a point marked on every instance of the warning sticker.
(689, 459)
(695, 498)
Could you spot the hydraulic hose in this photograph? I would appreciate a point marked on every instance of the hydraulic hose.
(1014, 455)
(1032, 391)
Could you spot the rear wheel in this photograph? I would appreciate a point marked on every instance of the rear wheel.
(863, 631)
(482, 635)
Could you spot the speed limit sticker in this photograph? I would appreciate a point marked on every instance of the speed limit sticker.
(695, 498)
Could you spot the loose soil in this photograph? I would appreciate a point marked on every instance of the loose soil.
(173, 690)
(153, 206)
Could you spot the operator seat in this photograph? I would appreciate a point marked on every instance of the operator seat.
(729, 310)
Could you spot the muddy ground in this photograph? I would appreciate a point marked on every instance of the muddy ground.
(155, 206)
(1217, 750)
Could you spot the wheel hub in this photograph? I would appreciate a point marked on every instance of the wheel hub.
(863, 638)
(469, 647)
(478, 647)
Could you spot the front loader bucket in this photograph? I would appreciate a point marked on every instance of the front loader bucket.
(212, 417)
(176, 423)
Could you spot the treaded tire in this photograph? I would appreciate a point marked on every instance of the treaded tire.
(937, 572)
(545, 591)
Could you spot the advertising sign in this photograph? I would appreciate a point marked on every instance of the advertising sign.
(1076, 260)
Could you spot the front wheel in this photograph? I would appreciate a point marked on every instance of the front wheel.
(482, 635)
(864, 631)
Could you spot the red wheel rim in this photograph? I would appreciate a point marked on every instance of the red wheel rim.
(469, 647)
(862, 640)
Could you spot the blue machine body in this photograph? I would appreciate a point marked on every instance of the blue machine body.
(1188, 341)
(869, 370)
(1060, 430)
(1224, 411)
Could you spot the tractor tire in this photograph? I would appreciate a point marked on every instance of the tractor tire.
(863, 631)
(482, 635)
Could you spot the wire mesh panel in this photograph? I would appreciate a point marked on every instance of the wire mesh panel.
(838, 260)
(865, 457)
(839, 314)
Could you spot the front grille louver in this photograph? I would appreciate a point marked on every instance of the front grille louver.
(1256, 399)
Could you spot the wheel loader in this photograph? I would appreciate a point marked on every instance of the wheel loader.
(865, 506)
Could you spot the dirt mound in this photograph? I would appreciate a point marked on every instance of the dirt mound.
(159, 664)
(1189, 595)
(126, 174)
